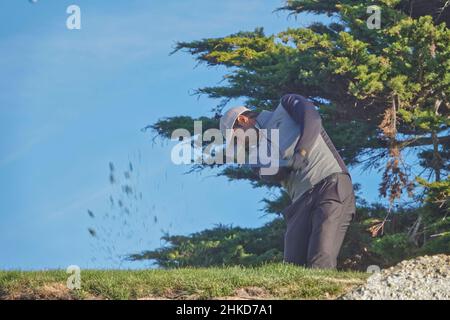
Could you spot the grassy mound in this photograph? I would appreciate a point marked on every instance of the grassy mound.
(275, 281)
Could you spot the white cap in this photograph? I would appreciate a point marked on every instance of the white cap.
(228, 121)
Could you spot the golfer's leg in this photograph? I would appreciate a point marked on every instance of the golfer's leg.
(297, 234)
(330, 221)
(349, 211)
(326, 227)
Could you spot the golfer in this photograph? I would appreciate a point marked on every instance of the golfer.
(313, 174)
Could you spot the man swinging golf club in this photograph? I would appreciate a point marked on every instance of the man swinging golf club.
(313, 174)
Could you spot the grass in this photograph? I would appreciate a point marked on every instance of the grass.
(275, 281)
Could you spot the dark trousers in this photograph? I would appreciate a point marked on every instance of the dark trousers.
(318, 221)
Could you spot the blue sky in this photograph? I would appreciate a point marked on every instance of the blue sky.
(71, 101)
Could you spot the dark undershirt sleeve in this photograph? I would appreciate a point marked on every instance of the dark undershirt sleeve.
(305, 114)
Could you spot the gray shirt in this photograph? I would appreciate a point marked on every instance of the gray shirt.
(304, 145)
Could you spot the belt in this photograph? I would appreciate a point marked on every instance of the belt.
(331, 178)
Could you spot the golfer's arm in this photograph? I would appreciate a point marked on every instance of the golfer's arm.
(306, 115)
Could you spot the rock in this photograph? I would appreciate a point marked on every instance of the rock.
(423, 278)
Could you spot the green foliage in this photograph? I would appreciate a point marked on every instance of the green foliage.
(278, 204)
(165, 127)
(221, 246)
(439, 245)
(393, 248)
(436, 215)
(437, 195)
